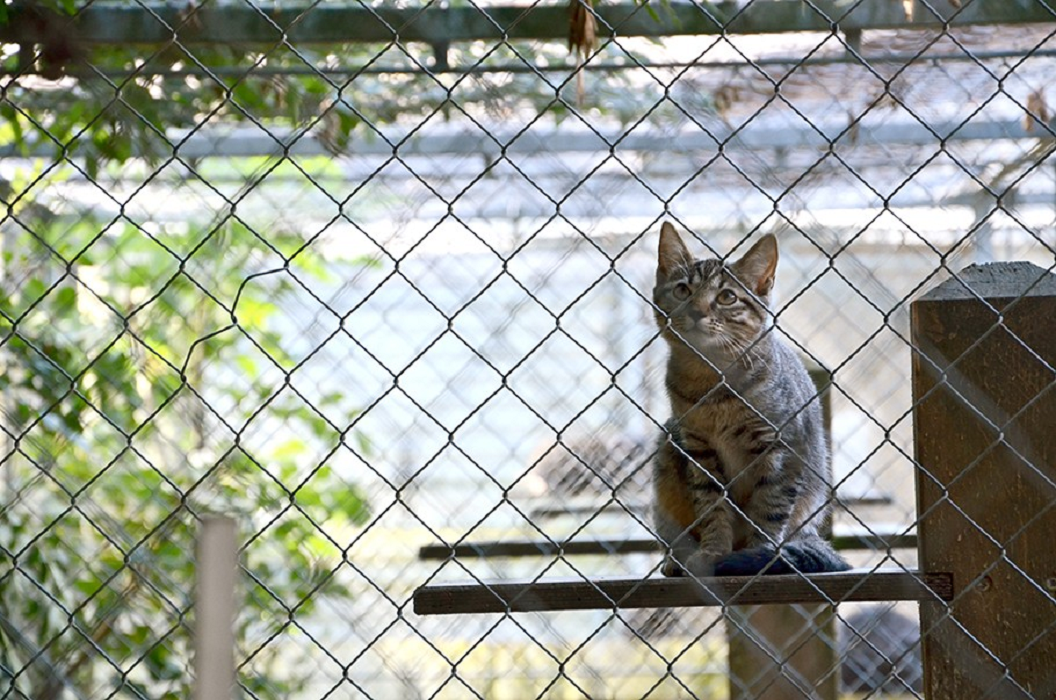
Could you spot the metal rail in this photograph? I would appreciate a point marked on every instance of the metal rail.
(338, 24)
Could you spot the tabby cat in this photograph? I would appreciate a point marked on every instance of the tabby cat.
(742, 472)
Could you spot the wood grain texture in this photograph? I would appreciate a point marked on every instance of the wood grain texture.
(607, 594)
(985, 443)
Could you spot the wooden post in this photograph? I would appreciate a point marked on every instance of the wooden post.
(985, 422)
(214, 610)
(782, 652)
(785, 652)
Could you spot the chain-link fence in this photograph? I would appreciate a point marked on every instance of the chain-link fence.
(376, 280)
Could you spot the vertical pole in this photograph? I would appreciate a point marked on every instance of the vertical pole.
(785, 652)
(214, 653)
(983, 238)
(782, 652)
(8, 245)
(984, 416)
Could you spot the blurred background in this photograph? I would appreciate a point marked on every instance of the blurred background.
(373, 277)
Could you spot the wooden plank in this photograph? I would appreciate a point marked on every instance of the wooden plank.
(560, 511)
(212, 23)
(984, 412)
(875, 541)
(612, 593)
(535, 548)
(782, 652)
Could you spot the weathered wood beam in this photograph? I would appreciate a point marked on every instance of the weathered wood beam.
(535, 548)
(609, 594)
(984, 409)
(587, 508)
(214, 23)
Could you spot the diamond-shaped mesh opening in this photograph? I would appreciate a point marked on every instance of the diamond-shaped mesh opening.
(378, 282)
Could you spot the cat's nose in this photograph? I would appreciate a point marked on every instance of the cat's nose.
(697, 314)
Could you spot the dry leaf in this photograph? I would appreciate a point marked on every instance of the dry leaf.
(582, 34)
(583, 27)
(189, 16)
(1037, 109)
(852, 130)
(724, 98)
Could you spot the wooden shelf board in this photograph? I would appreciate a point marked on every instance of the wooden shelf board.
(534, 548)
(612, 593)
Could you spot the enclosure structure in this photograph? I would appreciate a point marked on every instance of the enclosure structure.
(372, 279)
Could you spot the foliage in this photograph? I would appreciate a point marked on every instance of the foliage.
(66, 7)
(116, 102)
(143, 375)
(132, 405)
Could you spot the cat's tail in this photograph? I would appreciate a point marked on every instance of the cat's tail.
(811, 555)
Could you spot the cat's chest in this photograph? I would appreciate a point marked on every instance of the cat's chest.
(730, 428)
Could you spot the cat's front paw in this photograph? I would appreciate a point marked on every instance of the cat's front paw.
(696, 564)
(671, 568)
(701, 564)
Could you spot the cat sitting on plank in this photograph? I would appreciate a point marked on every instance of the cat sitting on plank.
(742, 471)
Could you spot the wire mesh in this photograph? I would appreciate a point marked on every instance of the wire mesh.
(370, 297)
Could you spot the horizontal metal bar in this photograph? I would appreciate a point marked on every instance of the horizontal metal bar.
(213, 23)
(534, 548)
(250, 142)
(343, 72)
(610, 594)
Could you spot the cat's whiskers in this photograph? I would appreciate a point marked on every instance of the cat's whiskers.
(739, 349)
(746, 355)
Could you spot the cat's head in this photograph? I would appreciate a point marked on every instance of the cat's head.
(719, 309)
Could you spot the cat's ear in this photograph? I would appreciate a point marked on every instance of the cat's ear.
(756, 269)
(673, 254)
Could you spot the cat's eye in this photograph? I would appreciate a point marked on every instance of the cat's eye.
(726, 297)
(681, 291)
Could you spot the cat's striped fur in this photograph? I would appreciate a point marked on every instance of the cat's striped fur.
(742, 472)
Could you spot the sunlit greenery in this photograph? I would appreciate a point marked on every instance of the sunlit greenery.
(132, 405)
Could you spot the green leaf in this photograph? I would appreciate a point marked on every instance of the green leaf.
(246, 364)
(363, 442)
(291, 448)
(33, 289)
(12, 121)
(348, 501)
(331, 399)
(65, 301)
(159, 661)
(122, 463)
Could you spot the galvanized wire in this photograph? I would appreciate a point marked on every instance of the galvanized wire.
(461, 344)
